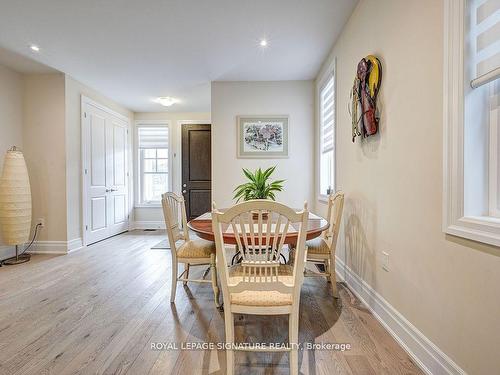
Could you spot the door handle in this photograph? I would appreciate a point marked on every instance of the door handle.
(114, 189)
(108, 190)
(184, 192)
(184, 185)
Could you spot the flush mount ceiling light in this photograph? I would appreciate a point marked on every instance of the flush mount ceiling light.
(263, 43)
(166, 101)
(34, 48)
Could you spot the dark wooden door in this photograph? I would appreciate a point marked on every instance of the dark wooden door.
(196, 169)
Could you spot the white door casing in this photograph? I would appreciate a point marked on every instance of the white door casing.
(105, 172)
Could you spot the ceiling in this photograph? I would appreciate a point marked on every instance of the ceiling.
(133, 51)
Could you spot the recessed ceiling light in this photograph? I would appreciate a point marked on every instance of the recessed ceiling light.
(263, 43)
(166, 101)
(35, 48)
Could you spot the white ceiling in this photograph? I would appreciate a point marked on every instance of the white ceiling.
(133, 51)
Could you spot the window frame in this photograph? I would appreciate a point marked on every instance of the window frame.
(493, 168)
(330, 73)
(138, 175)
(485, 229)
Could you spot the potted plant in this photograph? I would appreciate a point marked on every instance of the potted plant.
(258, 186)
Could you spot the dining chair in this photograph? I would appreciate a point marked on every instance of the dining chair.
(191, 252)
(260, 285)
(321, 250)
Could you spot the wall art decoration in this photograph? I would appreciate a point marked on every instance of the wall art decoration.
(363, 108)
(263, 137)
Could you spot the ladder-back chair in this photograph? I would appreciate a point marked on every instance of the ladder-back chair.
(190, 252)
(260, 285)
(321, 250)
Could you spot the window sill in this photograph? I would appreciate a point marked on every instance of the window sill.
(484, 229)
(158, 205)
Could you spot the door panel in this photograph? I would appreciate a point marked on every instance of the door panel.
(119, 163)
(196, 169)
(119, 209)
(105, 173)
(200, 168)
(98, 149)
(98, 213)
(199, 202)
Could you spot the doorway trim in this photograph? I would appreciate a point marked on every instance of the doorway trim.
(85, 100)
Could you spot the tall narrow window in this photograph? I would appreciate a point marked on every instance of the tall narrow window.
(327, 137)
(472, 120)
(483, 96)
(153, 155)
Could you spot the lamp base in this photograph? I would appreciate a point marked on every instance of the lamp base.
(23, 258)
(18, 259)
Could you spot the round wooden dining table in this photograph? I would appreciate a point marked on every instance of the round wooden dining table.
(202, 226)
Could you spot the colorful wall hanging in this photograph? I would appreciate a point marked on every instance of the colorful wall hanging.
(366, 86)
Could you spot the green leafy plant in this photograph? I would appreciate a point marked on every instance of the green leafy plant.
(258, 186)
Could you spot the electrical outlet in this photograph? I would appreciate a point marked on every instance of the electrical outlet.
(385, 261)
(41, 221)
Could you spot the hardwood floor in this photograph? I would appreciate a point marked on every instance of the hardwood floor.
(98, 310)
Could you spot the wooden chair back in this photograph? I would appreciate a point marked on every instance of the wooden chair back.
(335, 208)
(174, 212)
(260, 228)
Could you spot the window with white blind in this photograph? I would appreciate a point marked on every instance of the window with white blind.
(483, 98)
(472, 120)
(327, 137)
(484, 39)
(152, 163)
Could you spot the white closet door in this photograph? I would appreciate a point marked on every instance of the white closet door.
(118, 213)
(105, 174)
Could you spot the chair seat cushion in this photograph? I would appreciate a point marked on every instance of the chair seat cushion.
(261, 298)
(317, 246)
(196, 249)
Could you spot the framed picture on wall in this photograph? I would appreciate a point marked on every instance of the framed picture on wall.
(262, 137)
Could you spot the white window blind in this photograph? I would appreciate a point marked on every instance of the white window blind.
(327, 116)
(327, 136)
(485, 17)
(494, 149)
(153, 163)
(152, 137)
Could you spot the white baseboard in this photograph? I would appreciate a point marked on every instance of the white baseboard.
(148, 225)
(45, 247)
(423, 351)
(49, 247)
(75, 244)
(56, 247)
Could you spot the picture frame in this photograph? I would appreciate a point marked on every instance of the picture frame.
(262, 137)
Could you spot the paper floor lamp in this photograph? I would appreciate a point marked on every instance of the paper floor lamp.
(15, 204)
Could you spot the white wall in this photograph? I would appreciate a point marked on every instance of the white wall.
(11, 123)
(73, 92)
(446, 287)
(292, 98)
